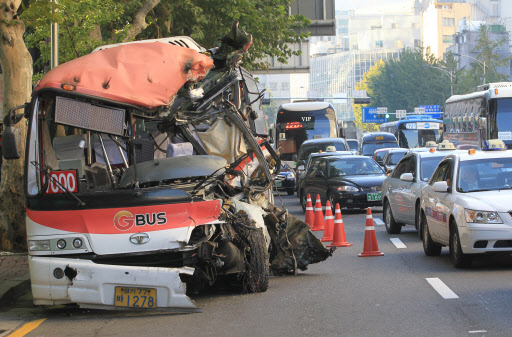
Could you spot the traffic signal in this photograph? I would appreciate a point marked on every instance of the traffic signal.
(387, 116)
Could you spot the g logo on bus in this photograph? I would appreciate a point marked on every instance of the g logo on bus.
(124, 220)
(139, 238)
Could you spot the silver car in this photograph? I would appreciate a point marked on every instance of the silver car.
(401, 191)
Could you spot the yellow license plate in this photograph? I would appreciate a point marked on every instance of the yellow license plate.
(135, 297)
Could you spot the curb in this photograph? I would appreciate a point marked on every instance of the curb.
(15, 292)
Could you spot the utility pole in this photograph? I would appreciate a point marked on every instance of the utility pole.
(54, 38)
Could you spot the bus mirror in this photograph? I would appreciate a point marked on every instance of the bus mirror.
(272, 134)
(342, 133)
(11, 142)
(482, 121)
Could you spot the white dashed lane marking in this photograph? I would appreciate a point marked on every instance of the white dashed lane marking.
(478, 331)
(398, 243)
(378, 222)
(441, 288)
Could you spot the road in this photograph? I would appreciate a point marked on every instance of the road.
(346, 295)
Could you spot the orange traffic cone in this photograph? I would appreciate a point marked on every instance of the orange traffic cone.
(319, 215)
(370, 247)
(310, 212)
(339, 232)
(329, 223)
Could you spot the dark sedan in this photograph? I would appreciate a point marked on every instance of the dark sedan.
(351, 181)
(285, 180)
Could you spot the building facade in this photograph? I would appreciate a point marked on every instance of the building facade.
(440, 21)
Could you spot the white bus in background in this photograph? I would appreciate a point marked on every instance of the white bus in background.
(485, 114)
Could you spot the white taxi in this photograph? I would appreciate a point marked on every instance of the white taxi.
(466, 204)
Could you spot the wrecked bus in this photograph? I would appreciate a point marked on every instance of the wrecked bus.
(146, 175)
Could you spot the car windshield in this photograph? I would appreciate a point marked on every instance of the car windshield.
(394, 157)
(428, 166)
(484, 175)
(369, 148)
(353, 166)
(353, 145)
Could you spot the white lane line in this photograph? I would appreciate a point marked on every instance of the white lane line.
(398, 243)
(441, 288)
(378, 222)
(478, 331)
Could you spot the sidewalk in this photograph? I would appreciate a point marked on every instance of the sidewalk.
(14, 276)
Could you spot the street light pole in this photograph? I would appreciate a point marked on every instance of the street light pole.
(481, 63)
(446, 71)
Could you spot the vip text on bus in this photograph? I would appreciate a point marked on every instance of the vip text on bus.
(485, 114)
(303, 120)
(415, 131)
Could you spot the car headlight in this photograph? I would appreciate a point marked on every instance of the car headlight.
(348, 189)
(473, 216)
(290, 176)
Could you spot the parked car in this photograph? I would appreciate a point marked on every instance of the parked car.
(285, 180)
(372, 141)
(392, 158)
(466, 205)
(353, 144)
(401, 191)
(351, 181)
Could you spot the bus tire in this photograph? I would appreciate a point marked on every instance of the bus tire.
(257, 262)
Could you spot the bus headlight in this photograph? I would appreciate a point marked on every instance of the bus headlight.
(61, 244)
(473, 216)
(35, 245)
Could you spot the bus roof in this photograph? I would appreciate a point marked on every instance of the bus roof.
(142, 74)
(488, 91)
(305, 106)
(414, 118)
(374, 137)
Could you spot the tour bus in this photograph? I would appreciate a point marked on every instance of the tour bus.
(415, 131)
(473, 118)
(300, 121)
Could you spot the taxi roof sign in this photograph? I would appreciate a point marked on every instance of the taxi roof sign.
(430, 143)
(494, 145)
(445, 145)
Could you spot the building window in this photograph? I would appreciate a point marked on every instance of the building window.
(448, 22)
(378, 44)
(375, 27)
(395, 25)
(285, 86)
(448, 39)
(398, 44)
(417, 43)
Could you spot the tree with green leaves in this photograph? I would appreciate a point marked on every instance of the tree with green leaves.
(365, 84)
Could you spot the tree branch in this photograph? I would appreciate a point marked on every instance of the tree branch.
(139, 20)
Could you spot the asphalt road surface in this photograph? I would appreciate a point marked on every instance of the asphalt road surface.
(403, 293)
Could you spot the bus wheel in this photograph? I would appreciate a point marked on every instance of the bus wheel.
(257, 262)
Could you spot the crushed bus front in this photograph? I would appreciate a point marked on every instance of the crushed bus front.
(137, 191)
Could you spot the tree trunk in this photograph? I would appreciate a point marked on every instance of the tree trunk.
(139, 20)
(17, 73)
